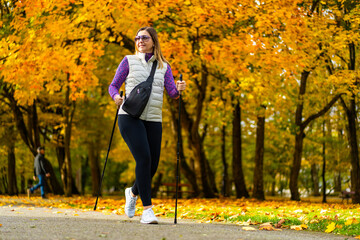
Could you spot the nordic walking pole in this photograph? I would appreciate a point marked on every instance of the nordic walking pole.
(178, 156)
(107, 155)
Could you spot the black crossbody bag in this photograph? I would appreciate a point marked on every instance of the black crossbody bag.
(136, 102)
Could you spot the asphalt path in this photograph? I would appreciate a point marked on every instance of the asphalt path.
(24, 222)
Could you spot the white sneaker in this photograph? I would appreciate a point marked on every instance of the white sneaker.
(148, 217)
(130, 203)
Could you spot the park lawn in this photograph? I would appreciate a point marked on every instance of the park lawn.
(275, 215)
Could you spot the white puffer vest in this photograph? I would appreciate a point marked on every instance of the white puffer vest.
(139, 71)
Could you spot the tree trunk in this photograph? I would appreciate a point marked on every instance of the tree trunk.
(60, 155)
(295, 169)
(299, 137)
(324, 166)
(315, 179)
(337, 174)
(258, 191)
(67, 139)
(196, 144)
(354, 151)
(238, 174)
(95, 168)
(337, 182)
(211, 176)
(188, 172)
(4, 179)
(353, 141)
(204, 168)
(54, 183)
(192, 125)
(12, 183)
(225, 190)
(32, 141)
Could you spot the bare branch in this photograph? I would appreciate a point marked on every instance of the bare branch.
(322, 111)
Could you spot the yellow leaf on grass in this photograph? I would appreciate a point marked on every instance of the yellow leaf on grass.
(351, 221)
(331, 227)
(249, 229)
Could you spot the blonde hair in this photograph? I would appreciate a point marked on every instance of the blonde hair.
(157, 50)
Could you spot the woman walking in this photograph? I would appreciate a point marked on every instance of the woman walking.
(143, 134)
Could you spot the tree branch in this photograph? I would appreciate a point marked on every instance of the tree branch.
(322, 111)
(344, 104)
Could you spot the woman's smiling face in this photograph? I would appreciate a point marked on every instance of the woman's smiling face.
(144, 42)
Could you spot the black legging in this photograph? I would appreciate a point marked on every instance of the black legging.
(144, 141)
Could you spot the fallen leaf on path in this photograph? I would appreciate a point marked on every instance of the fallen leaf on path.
(357, 237)
(249, 229)
(280, 223)
(0, 225)
(299, 227)
(304, 226)
(268, 227)
(57, 212)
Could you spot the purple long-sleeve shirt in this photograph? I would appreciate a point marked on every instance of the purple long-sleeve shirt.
(123, 71)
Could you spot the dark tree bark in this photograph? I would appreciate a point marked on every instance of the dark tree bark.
(354, 150)
(337, 173)
(324, 166)
(258, 191)
(196, 140)
(29, 133)
(225, 190)
(93, 154)
(352, 132)
(68, 114)
(185, 168)
(238, 174)
(4, 179)
(315, 179)
(12, 183)
(300, 134)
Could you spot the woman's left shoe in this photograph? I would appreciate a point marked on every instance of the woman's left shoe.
(130, 203)
(148, 217)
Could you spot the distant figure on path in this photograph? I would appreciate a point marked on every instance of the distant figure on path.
(143, 135)
(40, 172)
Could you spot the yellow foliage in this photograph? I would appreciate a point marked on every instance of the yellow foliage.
(331, 227)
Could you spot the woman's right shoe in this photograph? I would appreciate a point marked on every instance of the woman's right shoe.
(130, 203)
(148, 217)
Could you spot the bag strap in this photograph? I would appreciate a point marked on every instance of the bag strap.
(150, 79)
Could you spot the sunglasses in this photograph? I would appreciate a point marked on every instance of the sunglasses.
(145, 38)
